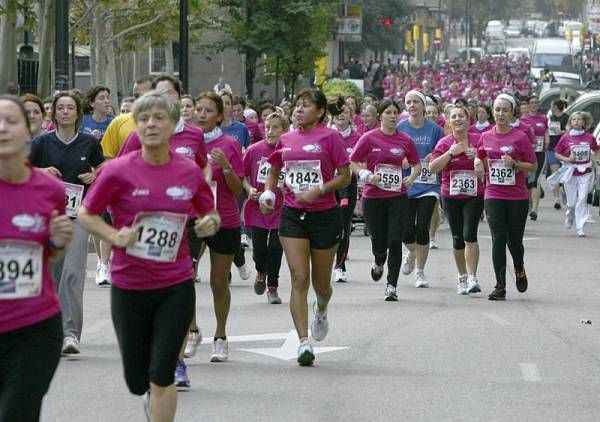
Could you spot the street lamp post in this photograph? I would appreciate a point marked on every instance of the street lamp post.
(61, 50)
(183, 44)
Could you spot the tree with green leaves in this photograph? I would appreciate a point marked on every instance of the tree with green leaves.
(383, 26)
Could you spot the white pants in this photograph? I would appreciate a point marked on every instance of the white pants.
(577, 189)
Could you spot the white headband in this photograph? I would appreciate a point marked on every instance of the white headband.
(508, 98)
(416, 94)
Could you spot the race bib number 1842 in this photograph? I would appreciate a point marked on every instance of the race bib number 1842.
(303, 175)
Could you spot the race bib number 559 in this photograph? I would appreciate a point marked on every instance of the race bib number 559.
(159, 236)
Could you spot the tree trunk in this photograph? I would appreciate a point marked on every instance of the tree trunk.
(45, 49)
(93, 47)
(8, 44)
(251, 59)
(111, 67)
(170, 68)
(101, 54)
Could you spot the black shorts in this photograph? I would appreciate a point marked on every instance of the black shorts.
(194, 242)
(225, 241)
(322, 228)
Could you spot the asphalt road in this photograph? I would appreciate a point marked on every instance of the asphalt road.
(432, 356)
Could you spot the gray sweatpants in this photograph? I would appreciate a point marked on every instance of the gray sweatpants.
(69, 274)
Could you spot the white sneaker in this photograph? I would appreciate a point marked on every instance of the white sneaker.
(432, 244)
(570, 217)
(102, 275)
(339, 275)
(245, 241)
(193, 340)
(461, 286)
(319, 326)
(70, 346)
(420, 280)
(580, 233)
(306, 356)
(473, 284)
(408, 263)
(220, 351)
(245, 271)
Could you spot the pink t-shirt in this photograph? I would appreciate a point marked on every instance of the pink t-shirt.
(189, 142)
(376, 149)
(350, 141)
(254, 130)
(256, 168)
(583, 145)
(539, 124)
(130, 186)
(492, 146)
(456, 164)
(227, 204)
(25, 217)
(309, 157)
(476, 130)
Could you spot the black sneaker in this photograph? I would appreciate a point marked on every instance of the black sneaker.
(557, 206)
(497, 294)
(542, 193)
(376, 272)
(390, 294)
(260, 283)
(533, 215)
(521, 279)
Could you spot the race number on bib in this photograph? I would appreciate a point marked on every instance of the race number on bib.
(303, 175)
(21, 264)
(463, 183)
(73, 197)
(426, 176)
(539, 144)
(264, 169)
(500, 174)
(581, 153)
(159, 236)
(390, 177)
(554, 128)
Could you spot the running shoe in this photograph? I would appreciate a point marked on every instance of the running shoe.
(306, 356)
(580, 233)
(273, 297)
(557, 205)
(432, 244)
(408, 263)
(569, 218)
(181, 377)
(420, 280)
(376, 272)
(260, 283)
(462, 287)
(319, 326)
(70, 346)
(146, 404)
(102, 275)
(497, 294)
(194, 339)
(533, 215)
(521, 279)
(245, 241)
(473, 284)
(220, 351)
(390, 294)
(245, 271)
(339, 275)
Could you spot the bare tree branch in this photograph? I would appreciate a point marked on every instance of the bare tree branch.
(136, 27)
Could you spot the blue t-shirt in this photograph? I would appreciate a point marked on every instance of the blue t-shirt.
(94, 128)
(239, 131)
(425, 139)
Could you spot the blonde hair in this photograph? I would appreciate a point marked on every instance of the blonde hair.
(587, 119)
(282, 119)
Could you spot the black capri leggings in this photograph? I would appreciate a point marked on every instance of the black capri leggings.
(151, 326)
(267, 253)
(463, 216)
(532, 179)
(28, 359)
(386, 220)
(420, 211)
(507, 221)
(346, 214)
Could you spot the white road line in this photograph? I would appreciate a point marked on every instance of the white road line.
(530, 372)
(497, 318)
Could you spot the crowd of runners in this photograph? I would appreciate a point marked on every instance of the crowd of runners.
(174, 174)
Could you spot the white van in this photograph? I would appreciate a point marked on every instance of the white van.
(557, 56)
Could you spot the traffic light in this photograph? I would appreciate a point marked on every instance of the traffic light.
(387, 22)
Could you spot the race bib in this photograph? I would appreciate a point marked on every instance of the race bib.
(159, 236)
(426, 176)
(500, 174)
(390, 177)
(73, 198)
(539, 144)
(264, 169)
(554, 128)
(303, 175)
(21, 264)
(581, 153)
(463, 182)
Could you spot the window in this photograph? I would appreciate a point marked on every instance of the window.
(82, 64)
(158, 59)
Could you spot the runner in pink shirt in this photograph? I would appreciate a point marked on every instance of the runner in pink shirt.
(316, 165)
(506, 154)
(385, 203)
(151, 194)
(485, 120)
(576, 149)
(462, 195)
(267, 251)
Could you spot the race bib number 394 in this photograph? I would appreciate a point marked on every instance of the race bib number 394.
(159, 236)
(21, 266)
(500, 174)
(303, 175)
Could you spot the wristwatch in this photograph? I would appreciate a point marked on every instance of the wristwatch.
(226, 171)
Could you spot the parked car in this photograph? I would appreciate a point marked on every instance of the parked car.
(550, 93)
(590, 102)
(495, 48)
(475, 54)
(514, 29)
(515, 53)
(494, 31)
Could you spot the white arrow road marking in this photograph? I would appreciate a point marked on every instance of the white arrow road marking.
(253, 337)
(496, 318)
(289, 348)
